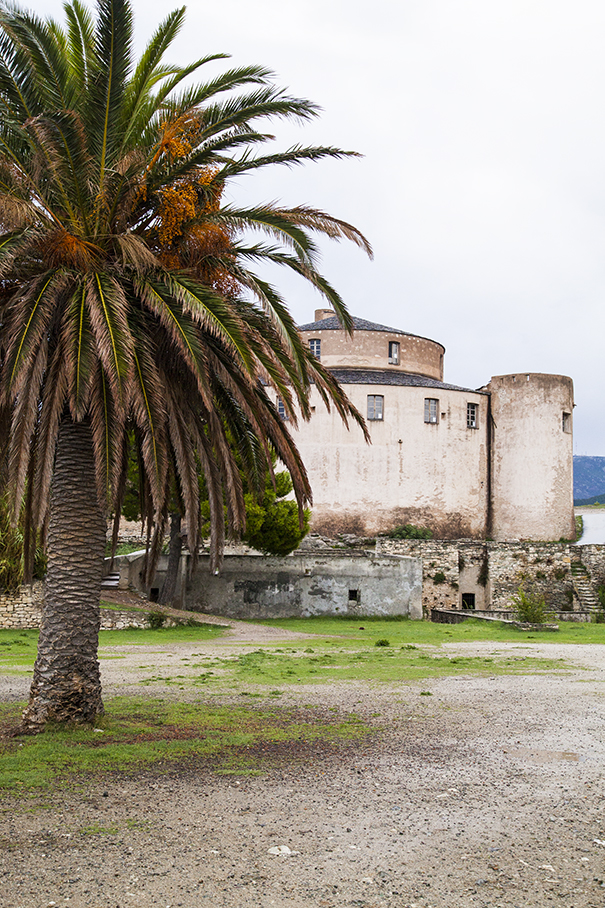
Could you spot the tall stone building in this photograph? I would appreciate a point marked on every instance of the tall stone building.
(494, 462)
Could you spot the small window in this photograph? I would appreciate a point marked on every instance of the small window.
(566, 426)
(394, 353)
(353, 595)
(315, 346)
(431, 409)
(281, 408)
(375, 406)
(468, 600)
(472, 416)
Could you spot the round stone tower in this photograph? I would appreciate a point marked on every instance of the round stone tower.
(531, 457)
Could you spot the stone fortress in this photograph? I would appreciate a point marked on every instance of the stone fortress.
(492, 463)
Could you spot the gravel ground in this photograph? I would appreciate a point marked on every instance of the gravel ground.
(490, 792)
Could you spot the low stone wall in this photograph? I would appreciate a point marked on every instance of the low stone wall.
(456, 616)
(113, 620)
(23, 608)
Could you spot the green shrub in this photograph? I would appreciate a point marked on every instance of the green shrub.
(439, 577)
(11, 552)
(409, 531)
(530, 606)
(382, 642)
(155, 620)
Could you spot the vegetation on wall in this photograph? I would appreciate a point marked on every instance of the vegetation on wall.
(409, 531)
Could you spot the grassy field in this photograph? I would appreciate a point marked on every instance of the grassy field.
(139, 733)
(402, 631)
(240, 735)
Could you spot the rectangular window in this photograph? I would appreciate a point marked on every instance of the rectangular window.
(394, 353)
(281, 409)
(566, 426)
(375, 406)
(315, 346)
(472, 416)
(431, 409)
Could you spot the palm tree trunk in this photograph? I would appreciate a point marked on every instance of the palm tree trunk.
(66, 686)
(174, 561)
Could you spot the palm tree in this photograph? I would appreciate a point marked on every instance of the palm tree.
(131, 308)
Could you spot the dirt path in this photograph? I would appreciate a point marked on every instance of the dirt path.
(489, 792)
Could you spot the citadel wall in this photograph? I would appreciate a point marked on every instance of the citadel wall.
(428, 474)
(532, 457)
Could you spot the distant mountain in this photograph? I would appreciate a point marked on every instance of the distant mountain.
(588, 477)
(596, 499)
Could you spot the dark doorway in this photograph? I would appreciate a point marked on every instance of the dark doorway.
(468, 600)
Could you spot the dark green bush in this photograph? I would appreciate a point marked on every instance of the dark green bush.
(409, 531)
(156, 620)
(530, 606)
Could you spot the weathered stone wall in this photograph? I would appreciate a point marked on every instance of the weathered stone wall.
(543, 568)
(593, 558)
(493, 571)
(114, 620)
(308, 584)
(23, 608)
(440, 570)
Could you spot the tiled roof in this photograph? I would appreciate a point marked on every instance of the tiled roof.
(360, 324)
(391, 377)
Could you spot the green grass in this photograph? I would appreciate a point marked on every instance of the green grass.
(404, 631)
(18, 647)
(182, 633)
(137, 733)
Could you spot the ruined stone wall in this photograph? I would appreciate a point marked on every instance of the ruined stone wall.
(493, 571)
(440, 572)
(543, 568)
(593, 557)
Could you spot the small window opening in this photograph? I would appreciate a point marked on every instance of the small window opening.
(154, 594)
(472, 414)
(566, 424)
(375, 406)
(394, 353)
(431, 409)
(353, 595)
(468, 600)
(315, 346)
(281, 408)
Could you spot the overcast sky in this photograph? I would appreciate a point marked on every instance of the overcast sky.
(482, 187)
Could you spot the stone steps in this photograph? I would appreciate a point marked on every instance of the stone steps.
(583, 587)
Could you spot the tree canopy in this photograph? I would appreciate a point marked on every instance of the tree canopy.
(131, 295)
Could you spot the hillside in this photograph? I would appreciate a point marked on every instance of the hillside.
(588, 477)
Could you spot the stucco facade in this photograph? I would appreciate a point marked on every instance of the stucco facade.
(489, 462)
